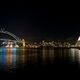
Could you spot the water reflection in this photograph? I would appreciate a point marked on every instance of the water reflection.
(23, 56)
(72, 55)
(47, 55)
(15, 57)
(3, 60)
(10, 57)
(75, 56)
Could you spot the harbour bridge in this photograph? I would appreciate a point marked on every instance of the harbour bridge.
(11, 42)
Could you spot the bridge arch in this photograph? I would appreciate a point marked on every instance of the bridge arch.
(11, 34)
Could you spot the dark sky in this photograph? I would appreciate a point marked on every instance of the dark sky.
(37, 23)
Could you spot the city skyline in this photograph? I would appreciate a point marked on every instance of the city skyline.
(37, 42)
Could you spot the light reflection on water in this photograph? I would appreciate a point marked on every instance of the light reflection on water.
(16, 57)
(75, 55)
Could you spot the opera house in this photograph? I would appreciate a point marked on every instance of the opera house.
(78, 42)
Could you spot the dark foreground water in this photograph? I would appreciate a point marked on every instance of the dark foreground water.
(45, 61)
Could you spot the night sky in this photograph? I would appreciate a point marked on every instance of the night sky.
(37, 23)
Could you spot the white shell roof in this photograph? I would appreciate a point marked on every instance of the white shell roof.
(79, 38)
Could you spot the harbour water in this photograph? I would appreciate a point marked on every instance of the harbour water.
(17, 57)
(40, 59)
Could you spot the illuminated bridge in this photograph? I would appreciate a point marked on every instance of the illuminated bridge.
(11, 42)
